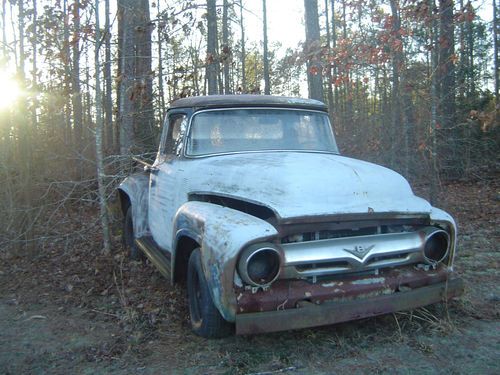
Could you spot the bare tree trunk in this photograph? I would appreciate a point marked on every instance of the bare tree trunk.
(135, 80)
(6, 129)
(76, 96)
(161, 90)
(127, 72)
(22, 78)
(463, 59)
(496, 71)
(408, 126)
(226, 49)
(195, 60)
(174, 64)
(446, 73)
(212, 73)
(144, 124)
(98, 137)
(313, 50)
(108, 101)
(434, 101)
(87, 107)
(14, 31)
(220, 84)
(117, 136)
(267, 80)
(403, 118)
(25, 141)
(329, 66)
(334, 45)
(396, 62)
(34, 85)
(243, 53)
(470, 49)
(347, 86)
(334, 25)
(68, 133)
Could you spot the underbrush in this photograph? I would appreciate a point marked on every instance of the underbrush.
(69, 274)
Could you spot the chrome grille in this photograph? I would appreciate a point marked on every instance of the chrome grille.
(353, 254)
(351, 232)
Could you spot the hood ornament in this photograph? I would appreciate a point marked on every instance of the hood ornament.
(360, 251)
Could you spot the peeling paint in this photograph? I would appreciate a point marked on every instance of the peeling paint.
(136, 187)
(377, 280)
(262, 177)
(330, 284)
(224, 232)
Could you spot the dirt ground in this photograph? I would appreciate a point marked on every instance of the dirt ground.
(67, 309)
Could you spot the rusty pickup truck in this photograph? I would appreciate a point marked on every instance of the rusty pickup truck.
(251, 206)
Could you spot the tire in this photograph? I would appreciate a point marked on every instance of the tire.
(133, 252)
(206, 320)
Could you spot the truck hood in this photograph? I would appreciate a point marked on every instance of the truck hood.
(298, 184)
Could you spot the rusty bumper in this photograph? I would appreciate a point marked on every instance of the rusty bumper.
(326, 313)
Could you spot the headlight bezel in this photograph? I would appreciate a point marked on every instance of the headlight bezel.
(450, 228)
(441, 253)
(251, 254)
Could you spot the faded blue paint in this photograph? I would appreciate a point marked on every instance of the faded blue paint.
(292, 184)
(297, 184)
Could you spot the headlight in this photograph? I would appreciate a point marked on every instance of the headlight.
(259, 264)
(437, 244)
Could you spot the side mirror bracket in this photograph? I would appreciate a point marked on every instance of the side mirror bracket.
(147, 167)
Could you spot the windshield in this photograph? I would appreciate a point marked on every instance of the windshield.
(259, 129)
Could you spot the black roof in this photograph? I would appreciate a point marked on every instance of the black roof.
(225, 101)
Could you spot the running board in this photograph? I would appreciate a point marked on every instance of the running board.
(159, 258)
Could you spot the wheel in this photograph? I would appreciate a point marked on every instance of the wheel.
(133, 251)
(206, 320)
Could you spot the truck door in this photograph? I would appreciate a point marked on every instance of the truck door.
(164, 194)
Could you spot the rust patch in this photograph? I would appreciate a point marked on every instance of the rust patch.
(287, 294)
(308, 314)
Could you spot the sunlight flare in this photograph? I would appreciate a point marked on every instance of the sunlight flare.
(9, 90)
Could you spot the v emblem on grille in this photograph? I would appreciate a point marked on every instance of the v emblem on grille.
(360, 251)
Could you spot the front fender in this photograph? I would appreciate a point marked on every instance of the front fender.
(443, 218)
(136, 187)
(222, 233)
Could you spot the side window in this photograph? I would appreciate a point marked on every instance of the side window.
(176, 129)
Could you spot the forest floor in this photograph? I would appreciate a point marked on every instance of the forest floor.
(70, 310)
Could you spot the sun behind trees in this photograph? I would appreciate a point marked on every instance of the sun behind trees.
(413, 85)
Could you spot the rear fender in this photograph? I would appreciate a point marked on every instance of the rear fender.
(222, 233)
(136, 188)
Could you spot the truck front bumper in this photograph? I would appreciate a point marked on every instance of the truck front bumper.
(330, 312)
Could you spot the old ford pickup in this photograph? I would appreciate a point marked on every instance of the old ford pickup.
(251, 206)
